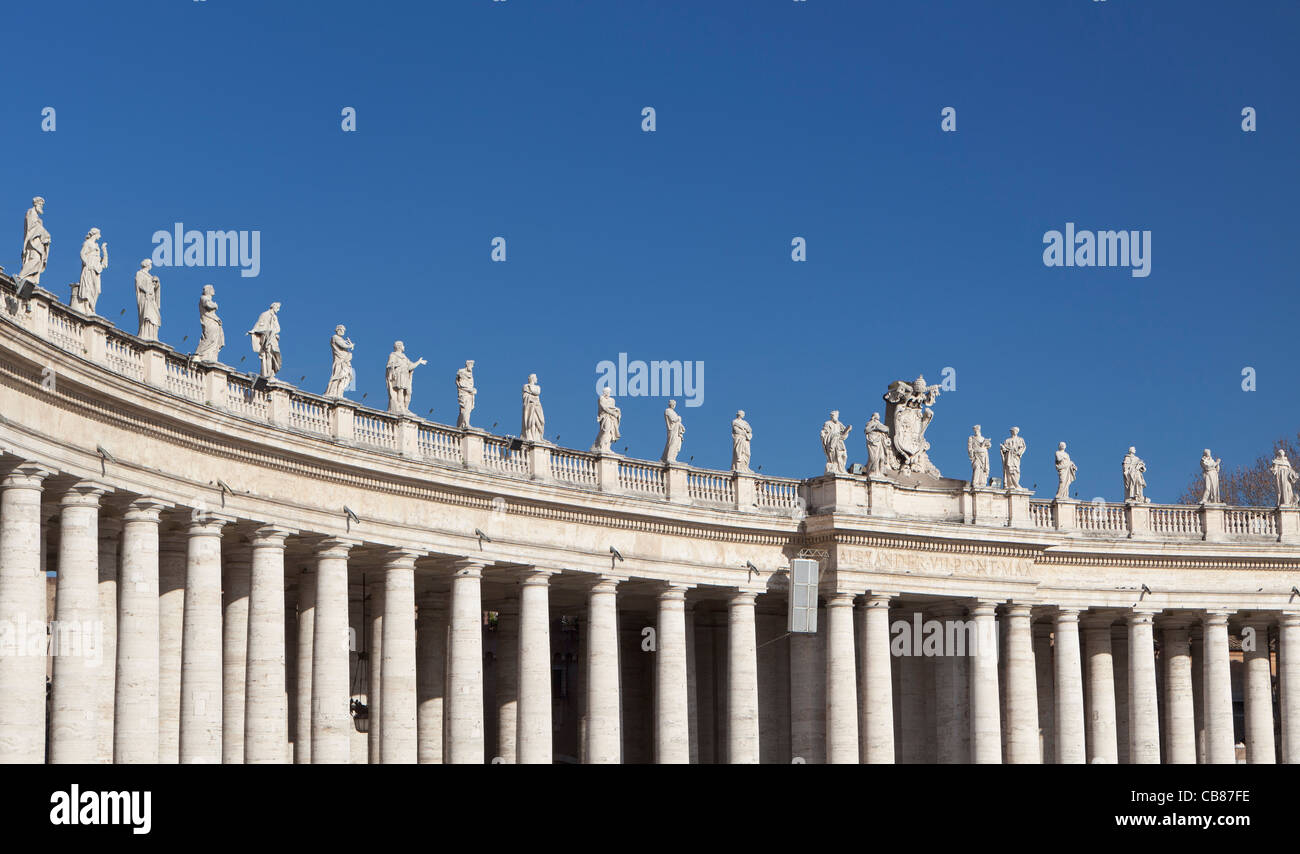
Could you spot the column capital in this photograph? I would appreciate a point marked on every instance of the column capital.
(841, 598)
(26, 475)
(537, 576)
(673, 592)
(335, 547)
(145, 510)
(984, 608)
(469, 567)
(84, 493)
(204, 524)
(1067, 614)
(1216, 617)
(605, 583)
(1290, 619)
(1019, 610)
(1103, 620)
(742, 598)
(271, 536)
(402, 558)
(1140, 617)
(877, 599)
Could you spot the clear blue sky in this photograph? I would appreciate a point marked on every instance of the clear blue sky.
(775, 119)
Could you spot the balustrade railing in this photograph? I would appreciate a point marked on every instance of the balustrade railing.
(776, 494)
(574, 467)
(183, 379)
(243, 399)
(1176, 520)
(308, 415)
(66, 331)
(1040, 513)
(708, 486)
(1096, 516)
(641, 477)
(124, 357)
(374, 430)
(439, 443)
(1243, 522)
(498, 454)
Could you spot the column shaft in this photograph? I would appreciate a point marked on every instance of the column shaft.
(431, 676)
(1103, 744)
(398, 688)
(234, 651)
(1289, 683)
(1258, 690)
(1022, 689)
(1180, 737)
(465, 665)
(201, 641)
(1069, 689)
(533, 729)
(331, 721)
(135, 710)
(986, 723)
(841, 682)
(877, 690)
(604, 733)
(266, 705)
(1219, 738)
(672, 736)
(1143, 708)
(742, 681)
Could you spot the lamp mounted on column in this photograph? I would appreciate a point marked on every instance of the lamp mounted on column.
(351, 516)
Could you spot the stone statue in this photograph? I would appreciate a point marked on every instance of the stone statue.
(36, 244)
(833, 435)
(608, 418)
(1013, 448)
(908, 414)
(148, 301)
(465, 393)
(342, 374)
(1065, 472)
(211, 336)
(266, 340)
(94, 261)
(1210, 468)
(879, 450)
(534, 420)
(676, 433)
(741, 435)
(1285, 477)
(1134, 482)
(398, 376)
(977, 448)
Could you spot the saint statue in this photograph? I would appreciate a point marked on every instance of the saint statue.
(342, 374)
(833, 434)
(1285, 477)
(741, 435)
(266, 340)
(398, 376)
(1210, 469)
(534, 420)
(211, 336)
(148, 301)
(94, 261)
(1013, 448)
(977, 448)
(1065, 472)
(36, 244)
(465, 393)
(676, 433)
(608, 417)
(878, 446)
(1134, 481)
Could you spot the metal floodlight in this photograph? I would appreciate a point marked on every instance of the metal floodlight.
(802, 611)
(481, 536)
(352, 516)
(615, 553)
(225, 487)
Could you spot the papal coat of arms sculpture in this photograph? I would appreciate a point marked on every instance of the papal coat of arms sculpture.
(908, 413)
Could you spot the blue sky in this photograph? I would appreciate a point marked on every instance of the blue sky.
(775, 119)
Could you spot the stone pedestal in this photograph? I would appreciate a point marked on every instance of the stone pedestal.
(880, 496)
(1063, 513)
(1018, 508)
(539, 460)
(1288, 524)
(1137, 516)
(676, 482)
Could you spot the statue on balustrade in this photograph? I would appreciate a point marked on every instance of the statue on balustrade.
(834, 433)
(342, 375)
(533, 428)
(1285, 477)
(1013, 448)
(266, 340)
(211, 336)
(465, 393)
(977, 448)
(676, 433)
(1065, 472)
(94, 261)
(1210, 469)
(36, 244)
(148, 301)
(1134, 480)
(608, 418)
(741, 435)
(399, 375)
(879, 446)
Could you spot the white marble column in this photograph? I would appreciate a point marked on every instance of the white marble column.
(742, 681)
(1288, 667)
(201, 640)
(841, 682)
(807, 711)
(135, 707)
(77, 653)
(1143, 708)
(1180, 735)
(692, 688)
(465, 666)
(1119, 654)
(306, 621)
(1103, 747)
(172, 557)
(398, 685)
(22, 612)
(110, 537)
(266, 705)
(1022, 688)
(1219, 738)
(331, 719)
(1257, 686)
(986, 721)
(533, 740)
(1069, 689)
(235, 571)
(604, 733)
(1046, 695)
(431, 675)
(507, 680)
(373, 607)
(672, 732)
(877, 690)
